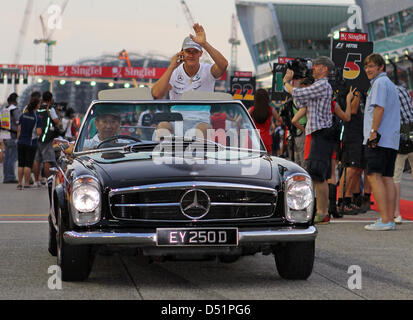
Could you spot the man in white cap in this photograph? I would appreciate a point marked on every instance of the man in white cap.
(186, 73)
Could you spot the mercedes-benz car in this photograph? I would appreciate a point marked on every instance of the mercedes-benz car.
(188, 178)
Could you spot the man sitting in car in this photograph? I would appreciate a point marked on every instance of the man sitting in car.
(107, 125)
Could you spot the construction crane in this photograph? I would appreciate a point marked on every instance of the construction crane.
(191, 23)
(234, 41)
(17, 54)
(187, 14)
(47, 35)
(22, 31)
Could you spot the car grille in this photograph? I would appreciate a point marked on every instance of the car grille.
(163, 202)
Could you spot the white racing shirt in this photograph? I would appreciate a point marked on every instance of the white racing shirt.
(181, 82)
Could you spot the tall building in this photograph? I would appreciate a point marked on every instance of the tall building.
(390, 26)
(273, 30)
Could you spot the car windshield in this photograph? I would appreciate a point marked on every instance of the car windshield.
(109, 125)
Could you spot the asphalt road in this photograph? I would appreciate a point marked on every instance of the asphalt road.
(385, 260)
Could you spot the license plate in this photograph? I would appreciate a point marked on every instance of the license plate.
(197, 237)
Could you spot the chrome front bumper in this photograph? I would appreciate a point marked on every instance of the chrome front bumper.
(245, 237)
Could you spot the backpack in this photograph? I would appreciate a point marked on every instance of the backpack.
(49, 130)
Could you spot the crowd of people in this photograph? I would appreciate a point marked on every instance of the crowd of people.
(366, 142)
(27, 136)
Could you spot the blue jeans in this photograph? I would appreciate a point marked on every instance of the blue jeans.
(10, 159)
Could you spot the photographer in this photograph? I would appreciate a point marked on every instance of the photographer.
(317, 98)
(296, 135)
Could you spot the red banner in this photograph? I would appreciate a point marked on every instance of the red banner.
(242, 74)
(284, 60)
(80, 71)
(353, 36)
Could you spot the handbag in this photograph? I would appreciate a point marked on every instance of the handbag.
(406, 138)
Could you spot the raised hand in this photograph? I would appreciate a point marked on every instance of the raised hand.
(200, 36)
(350, 94)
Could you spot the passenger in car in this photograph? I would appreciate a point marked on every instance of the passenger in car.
(201, 130)
(163, 129)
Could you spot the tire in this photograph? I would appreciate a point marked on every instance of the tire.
(294, 260)
(228, 259)
(74, 261)
(52, 238)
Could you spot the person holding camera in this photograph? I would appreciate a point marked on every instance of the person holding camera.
(381, 139)
(335, 130)
(186, 73)
(406, 144)
(51, 128)
(317, 99)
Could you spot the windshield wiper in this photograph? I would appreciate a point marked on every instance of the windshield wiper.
(192, 140)
(139, 145)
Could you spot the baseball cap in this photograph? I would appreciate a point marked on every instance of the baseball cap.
(325, 61)
(189, 43)
(103, 111)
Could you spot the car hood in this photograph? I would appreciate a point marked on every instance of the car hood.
(119, 170)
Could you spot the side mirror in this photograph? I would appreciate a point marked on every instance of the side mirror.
(67, 148)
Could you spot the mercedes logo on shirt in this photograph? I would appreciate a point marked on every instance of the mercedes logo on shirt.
(195, 204)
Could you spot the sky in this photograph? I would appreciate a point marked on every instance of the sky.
(91, 28)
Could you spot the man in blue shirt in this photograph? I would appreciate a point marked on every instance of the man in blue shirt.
(381, 118)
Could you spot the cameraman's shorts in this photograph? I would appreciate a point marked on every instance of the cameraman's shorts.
(380, 160)
(45, 152)
(318, 163)
(353, 155)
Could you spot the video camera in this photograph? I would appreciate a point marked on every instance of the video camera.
(302, 67)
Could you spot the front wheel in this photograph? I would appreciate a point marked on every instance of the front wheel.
(75, 261)
(294, 260)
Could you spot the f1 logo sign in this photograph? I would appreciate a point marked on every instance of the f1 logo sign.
(351, 68)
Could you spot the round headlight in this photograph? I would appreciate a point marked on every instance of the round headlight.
(299, 195)
(86, 198)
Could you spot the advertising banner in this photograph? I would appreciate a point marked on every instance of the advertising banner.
(80, 71)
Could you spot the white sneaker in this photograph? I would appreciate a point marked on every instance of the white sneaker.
(398, 220)
(37, 184)
(380, 226)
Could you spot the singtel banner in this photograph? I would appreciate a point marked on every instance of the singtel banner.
(91, 71)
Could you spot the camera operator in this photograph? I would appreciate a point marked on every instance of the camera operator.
(296, 135)
(317, 98)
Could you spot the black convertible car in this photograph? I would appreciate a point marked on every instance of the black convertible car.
(187, 178)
